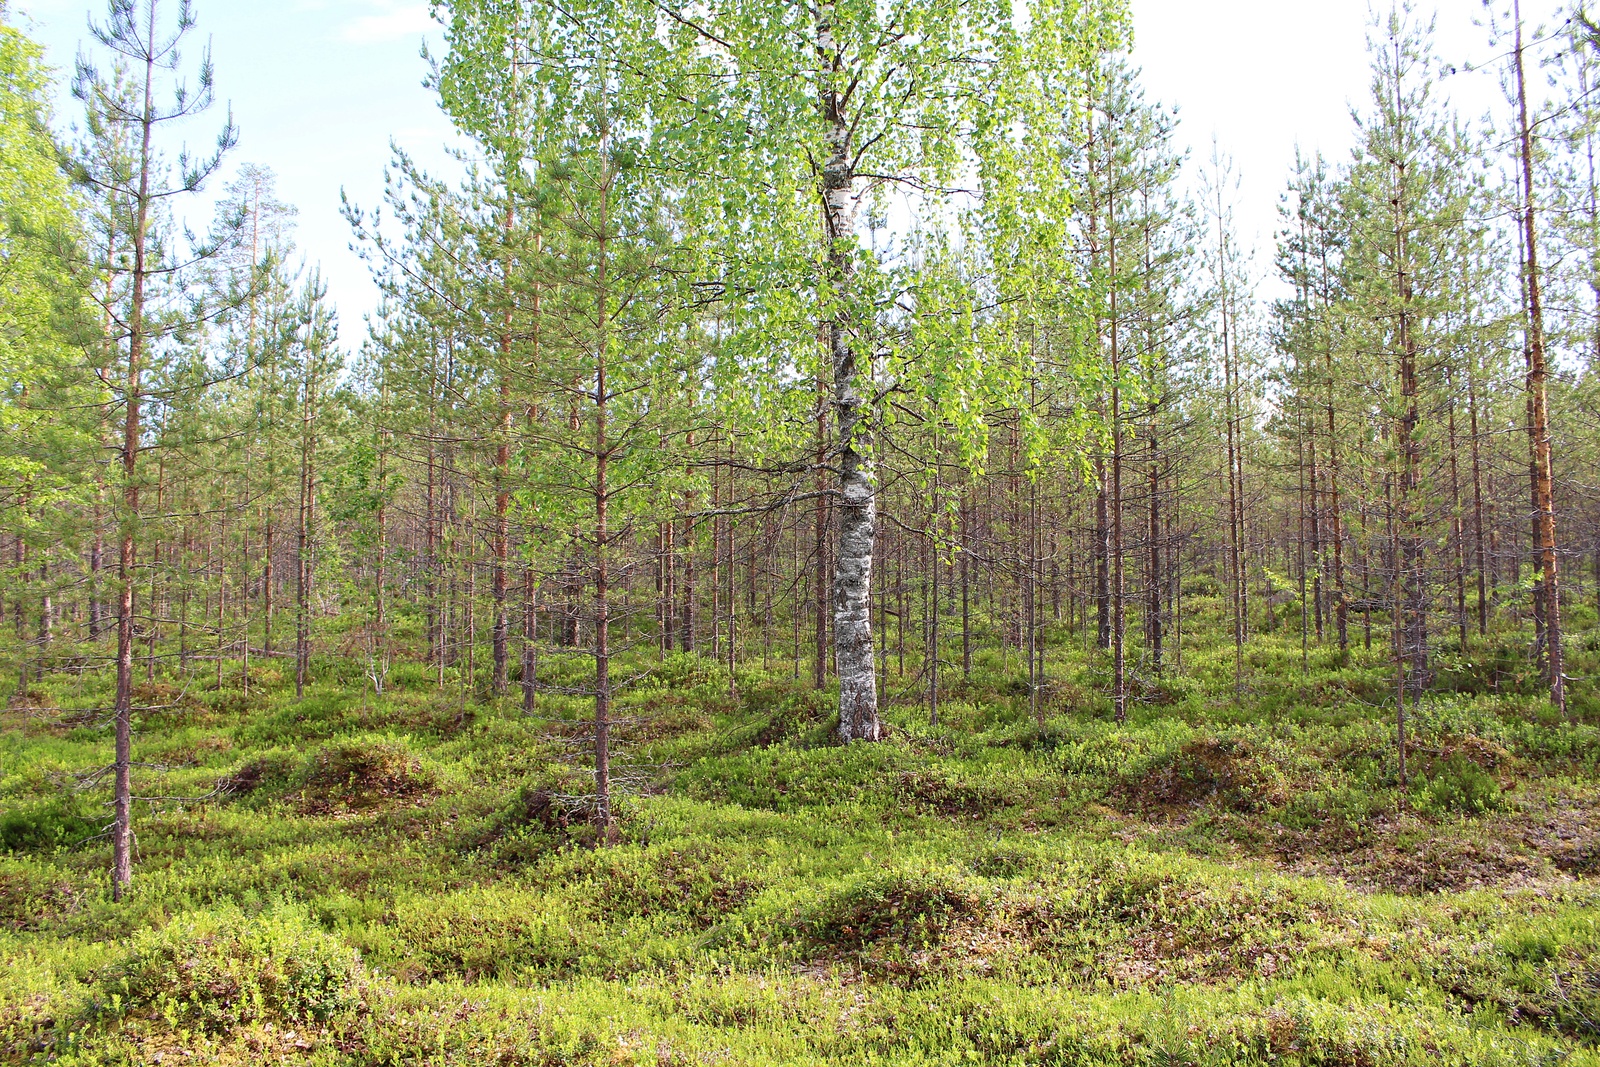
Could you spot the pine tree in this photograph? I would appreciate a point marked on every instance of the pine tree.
(141, 187)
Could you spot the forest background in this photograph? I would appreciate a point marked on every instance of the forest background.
(867, 415)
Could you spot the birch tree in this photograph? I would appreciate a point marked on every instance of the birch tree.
(827, 106)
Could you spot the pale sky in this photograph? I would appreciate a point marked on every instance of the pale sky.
(320, 87)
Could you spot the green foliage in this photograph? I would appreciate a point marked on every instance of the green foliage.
(619, 303)
(1230, 772)
(498, 931)
(1457, 786)
(267, 774)
(362, 772)
(47, 823)
(974, 894)
(912, 906)
(221, 968)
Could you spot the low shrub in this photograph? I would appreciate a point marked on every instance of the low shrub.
(932, 791)
(1231, 772)
(538, 808)
(1164, 691)
(1003, 860)
(160, 702)
(914, 907)
(795, 714)
(536, 820)
(264, 772)
(1456, 785)
(1337, 811)
(784, 778)
(218, 969)
(362, 773)
(496, 931)
(45, 824)
(696, 883)
(32, 892)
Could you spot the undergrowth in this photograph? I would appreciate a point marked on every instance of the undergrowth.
(354, 879)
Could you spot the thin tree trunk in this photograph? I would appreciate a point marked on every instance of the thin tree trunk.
(716, 550)
(1336, 515)
(1457, 530)
(1235, 533)
(669, 586)
(819, 547)
(269, 576)
(1102, 555)
(154, 612)
(1300, 539)
(1030, 613)
(686, 622)
(122, 826)
(1318, 551)
(222, 591)
(602, 543)
(19, 610)
(1119, 614)
(966, 583)
(502, 499)
(303, 569)
(1544, 498)
(380, 579)
(858, 495)
(1153, 625)
(530, 634)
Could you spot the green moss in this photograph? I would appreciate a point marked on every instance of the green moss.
(411, 879)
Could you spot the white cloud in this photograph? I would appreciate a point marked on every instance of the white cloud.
(407, 20)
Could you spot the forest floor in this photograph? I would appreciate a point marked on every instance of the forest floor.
(404, 879)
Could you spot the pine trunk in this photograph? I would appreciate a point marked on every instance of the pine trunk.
(1538, 392)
